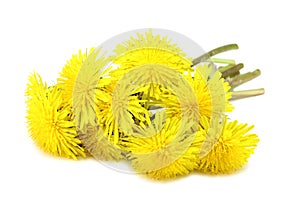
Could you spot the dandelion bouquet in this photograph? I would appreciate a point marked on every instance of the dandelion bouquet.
(145, 100)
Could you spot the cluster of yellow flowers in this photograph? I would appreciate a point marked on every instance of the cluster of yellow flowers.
(148, 104)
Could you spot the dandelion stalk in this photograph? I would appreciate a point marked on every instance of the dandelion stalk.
(231, 70)
(247, 93)
(243, 78)
(223, 61)
(214, 52)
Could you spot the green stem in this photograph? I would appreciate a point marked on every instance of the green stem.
(222, 61)
(213, 52)
(231, 70)
(243, 78)
(247, 93)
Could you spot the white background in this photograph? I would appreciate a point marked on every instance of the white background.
(43, 35)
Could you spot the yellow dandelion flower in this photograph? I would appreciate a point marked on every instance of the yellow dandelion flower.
(149, 49)
(85, 87)
(208, 83)
(165, 149)
(230, 150)
(112, 97)
(50, 121)
(84, 106)
(211, 91)
(69, 73)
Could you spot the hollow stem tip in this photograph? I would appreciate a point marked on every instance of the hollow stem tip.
(247, 93)
(243, 78)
